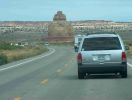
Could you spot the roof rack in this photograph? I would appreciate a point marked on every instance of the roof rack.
(102, 33)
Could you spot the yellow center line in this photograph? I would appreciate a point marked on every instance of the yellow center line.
(17, 98)
(45, 81)
(59, 70)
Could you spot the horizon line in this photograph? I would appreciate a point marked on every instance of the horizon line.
(68, 20)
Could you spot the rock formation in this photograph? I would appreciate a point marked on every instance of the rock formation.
(60, 30)
(59, 16)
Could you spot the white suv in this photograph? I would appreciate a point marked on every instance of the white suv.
(102, 53)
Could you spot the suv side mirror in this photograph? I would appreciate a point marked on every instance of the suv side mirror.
(127, 47)
(76, 49)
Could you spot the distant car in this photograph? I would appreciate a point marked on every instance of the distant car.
(102, 53)
(46, 43)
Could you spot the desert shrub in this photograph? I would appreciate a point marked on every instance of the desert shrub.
(128, 42)
(7, 46)
(3, 59)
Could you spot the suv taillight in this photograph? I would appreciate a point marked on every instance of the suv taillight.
(123, 56)
(79, 58)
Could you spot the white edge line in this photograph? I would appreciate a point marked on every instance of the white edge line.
(130, 65)
(14, 66)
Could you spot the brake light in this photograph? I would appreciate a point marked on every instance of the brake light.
(123, 56)
(79, 58)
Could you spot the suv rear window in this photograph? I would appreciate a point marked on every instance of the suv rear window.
(101, 43)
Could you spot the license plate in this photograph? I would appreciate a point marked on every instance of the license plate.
(107, 57)
(95, 58)
(101, 58)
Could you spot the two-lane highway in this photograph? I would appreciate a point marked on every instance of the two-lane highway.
(54, 77)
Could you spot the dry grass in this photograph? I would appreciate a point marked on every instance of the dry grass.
(130, 51)
(13, 55)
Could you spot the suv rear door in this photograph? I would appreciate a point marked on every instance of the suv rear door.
(103, 50)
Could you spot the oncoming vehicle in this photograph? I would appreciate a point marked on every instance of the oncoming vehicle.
(102, 53)
(77, 41)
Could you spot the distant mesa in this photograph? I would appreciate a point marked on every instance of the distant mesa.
(59, 30)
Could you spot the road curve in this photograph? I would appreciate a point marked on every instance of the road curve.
(51, 51)
(54, 77)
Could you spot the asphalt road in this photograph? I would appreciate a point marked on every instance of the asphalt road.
(53, 76)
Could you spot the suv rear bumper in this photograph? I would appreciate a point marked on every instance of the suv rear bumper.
(102, 68)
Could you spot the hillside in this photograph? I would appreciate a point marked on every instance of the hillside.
(36, 30)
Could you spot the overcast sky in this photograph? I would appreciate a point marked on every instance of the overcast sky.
(44, 10)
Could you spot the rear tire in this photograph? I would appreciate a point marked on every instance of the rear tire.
(80, 74)
(124, 72)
